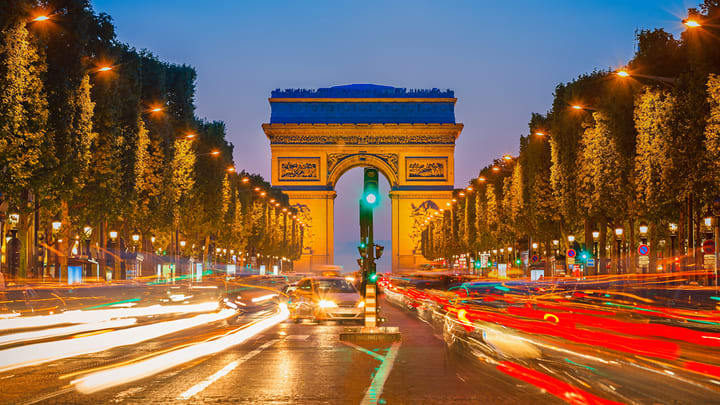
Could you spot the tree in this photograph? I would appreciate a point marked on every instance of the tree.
(25, 145)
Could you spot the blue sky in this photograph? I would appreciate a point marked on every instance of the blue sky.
(502, 58)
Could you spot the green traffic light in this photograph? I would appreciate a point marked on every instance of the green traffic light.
(362, 245)
(370, 198)
(373, 277)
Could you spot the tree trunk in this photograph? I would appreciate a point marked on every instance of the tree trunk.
(602, 244)
(587, 245)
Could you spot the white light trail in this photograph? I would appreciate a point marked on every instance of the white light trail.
(99, 315)
(199, 387)
(263, 298)
(39, 353)
(131, 372)
(68, 330)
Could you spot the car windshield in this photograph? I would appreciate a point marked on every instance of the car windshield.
(334, 286)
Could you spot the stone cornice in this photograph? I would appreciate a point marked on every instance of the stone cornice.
(362, 100)
(362, 134)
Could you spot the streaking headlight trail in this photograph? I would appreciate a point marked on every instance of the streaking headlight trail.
(124, 374)
(99, 315)
(39, 353)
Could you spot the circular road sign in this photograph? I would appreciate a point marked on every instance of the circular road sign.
(571, 253)
(708, 247)
(643, 250)
(535, 258)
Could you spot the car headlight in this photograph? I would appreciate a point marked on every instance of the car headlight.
(361, 304)
(327, 304)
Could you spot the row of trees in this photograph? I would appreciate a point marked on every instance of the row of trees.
(97, 135)
(618, 149)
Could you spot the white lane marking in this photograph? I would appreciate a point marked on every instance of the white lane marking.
(372, 396)
(364, 350)
(199, 387)
(7, 376)
(297, 337)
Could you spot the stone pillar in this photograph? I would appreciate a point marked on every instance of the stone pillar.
(316, 208)
(409, 210)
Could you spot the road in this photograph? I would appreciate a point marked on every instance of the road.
(195, 352)
(287, 363)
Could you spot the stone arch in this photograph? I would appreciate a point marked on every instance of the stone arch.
(386, 164)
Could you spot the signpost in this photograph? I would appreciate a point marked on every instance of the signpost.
(643, 258)
(535, 258)
(590, 262)
(708, 247)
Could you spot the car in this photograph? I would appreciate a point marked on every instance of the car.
(326, 298)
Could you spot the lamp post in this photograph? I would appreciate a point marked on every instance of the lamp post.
(673, 234)
(87, 234)
(56, 225)
(136, 240)
(618, 238)
(113, 255)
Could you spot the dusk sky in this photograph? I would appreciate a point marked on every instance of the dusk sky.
(502, 59)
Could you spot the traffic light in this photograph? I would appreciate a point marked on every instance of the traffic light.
(362, 249)
(379, 251)
(371, 194)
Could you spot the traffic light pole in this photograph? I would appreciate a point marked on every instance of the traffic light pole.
(368, 254)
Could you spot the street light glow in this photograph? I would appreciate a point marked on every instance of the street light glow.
(538, 133)
(215, 152)
(622, 73)
(495, 169)
(507, 157)
(577, 107)
(691, 23)
(41, 18)
(104, 68)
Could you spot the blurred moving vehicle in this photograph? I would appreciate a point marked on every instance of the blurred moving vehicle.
(254, 293)
(326, 298)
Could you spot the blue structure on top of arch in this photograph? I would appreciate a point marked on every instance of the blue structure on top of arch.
(362, 112)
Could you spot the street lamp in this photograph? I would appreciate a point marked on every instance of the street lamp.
(673, 234)
(618, 237)
(56, 224)
(113, 235)
(87, 232)
(595, 235)
(692, 23)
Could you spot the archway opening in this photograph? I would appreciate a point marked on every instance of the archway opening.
(347, 221)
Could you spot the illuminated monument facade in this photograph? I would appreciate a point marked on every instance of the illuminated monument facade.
(408, 135)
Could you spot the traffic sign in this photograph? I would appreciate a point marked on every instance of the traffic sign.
(571, 253)
(708, 247)
(643, 249)
(535, 258)
(570, 260)
(590, 262)
(644, 261)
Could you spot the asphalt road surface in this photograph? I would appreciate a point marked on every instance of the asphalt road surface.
(286, 363)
